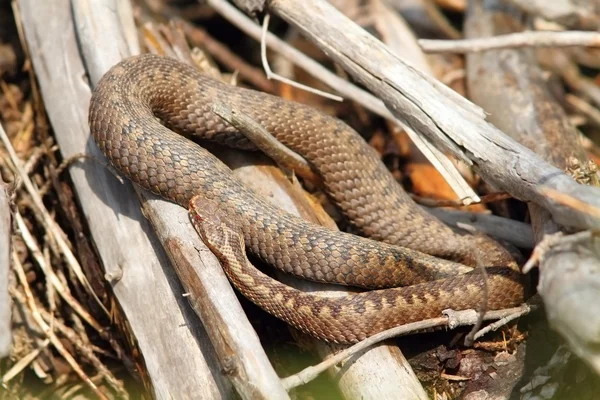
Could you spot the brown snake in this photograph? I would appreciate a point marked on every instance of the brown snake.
(123, 120)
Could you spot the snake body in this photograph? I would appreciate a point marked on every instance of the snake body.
(349, 318)
(134, 95)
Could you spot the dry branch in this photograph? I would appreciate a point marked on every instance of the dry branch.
(511, 87)
(510, 40)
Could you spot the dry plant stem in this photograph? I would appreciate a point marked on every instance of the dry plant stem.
(271, 75)
(470, 337)
(51, 278)
(148, 290)
(47, 220)
(440, 19)
(398, 36)
(454, 5)
(81, 346)
(22, 363)
(498, 324)
(453, 321)
(48, 330)
(450, 121)
(350, 91)
(5, 240)
(88, 352)
(569, 277)
(429, 15)
(513, 40)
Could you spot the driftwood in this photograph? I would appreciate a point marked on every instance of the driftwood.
(447, 119)
(510, 86)
(122, 236)
(5, 238)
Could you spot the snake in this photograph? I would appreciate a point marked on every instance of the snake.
(146, 114)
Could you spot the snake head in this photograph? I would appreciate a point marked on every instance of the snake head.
(208, 218)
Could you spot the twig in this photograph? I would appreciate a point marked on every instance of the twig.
(273, 75)
(570, 201)
(563, 12)
(512, 231)
(51, 277)
(484, 299)
(440, 19)
(452, 320)
(88, 353)
(551, 242)
(589, 111)
(513, 40)
(524, 310)
(23, 362)
(66, 163)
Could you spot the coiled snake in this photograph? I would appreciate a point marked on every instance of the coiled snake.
(123, 120)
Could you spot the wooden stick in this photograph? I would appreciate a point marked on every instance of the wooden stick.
(453, 320)
(513, 40)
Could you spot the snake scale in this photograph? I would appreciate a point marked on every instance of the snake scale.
(140, 103)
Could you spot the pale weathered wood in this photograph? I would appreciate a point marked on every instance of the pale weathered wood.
(444, 117)
(5, 302)
(240, 354)
(149, 294)
(512, 88)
